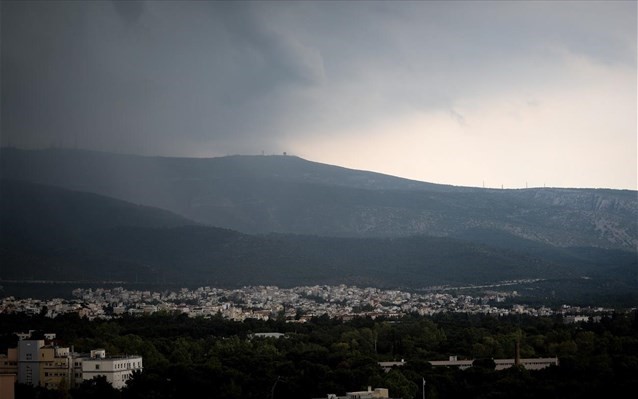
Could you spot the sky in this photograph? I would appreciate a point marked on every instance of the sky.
(506, 94)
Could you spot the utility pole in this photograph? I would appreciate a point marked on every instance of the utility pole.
(272, 391)
(423, 388)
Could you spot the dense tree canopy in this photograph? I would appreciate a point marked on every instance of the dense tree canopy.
(217, 358)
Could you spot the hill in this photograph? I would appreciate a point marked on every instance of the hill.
(36, 206)
(285, 194)
(44, 230)
(57, 235)
(49, 233)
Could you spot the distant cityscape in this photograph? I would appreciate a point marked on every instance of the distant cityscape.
(298, 304)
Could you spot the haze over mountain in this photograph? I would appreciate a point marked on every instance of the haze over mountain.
(468, 94)
(285, 194)
(49, 233)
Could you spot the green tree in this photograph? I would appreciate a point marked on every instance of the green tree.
(95, 388)
(399, 386)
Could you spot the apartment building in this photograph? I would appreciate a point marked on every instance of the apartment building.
(9, 362)
(117, 369)
(38, 363)
(29, 361)
(55, 367)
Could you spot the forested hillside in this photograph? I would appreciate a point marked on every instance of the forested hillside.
(53, 234)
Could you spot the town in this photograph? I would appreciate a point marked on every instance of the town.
(138, 343)
(297, 304)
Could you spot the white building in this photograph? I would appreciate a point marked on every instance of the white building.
(116, 369)
(501, 364)
(530, 364)
(38, 363)
(378, 393)
(454, 362)
(387, 366)
(267, 335)
(29, 361)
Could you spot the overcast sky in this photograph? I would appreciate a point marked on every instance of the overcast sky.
(465, 93)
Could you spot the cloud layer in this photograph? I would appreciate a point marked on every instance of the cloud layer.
(451, 92)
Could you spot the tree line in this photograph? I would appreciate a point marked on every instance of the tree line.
(218, 358)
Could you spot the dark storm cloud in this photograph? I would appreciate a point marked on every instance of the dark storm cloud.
(111, 72)
(211, 78)
(129, 11)
(145, 76)
(282, 58)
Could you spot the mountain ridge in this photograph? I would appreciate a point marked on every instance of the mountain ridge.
(286, 194)
(54, 234)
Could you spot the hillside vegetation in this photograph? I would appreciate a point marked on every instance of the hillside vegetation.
(285, 194)
(50, 233)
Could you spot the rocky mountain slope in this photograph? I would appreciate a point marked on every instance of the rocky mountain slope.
(49, 233)
(285, 194)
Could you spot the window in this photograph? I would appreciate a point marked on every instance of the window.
(29, 375)
(97, 366)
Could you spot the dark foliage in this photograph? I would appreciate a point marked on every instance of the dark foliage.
(186, 357)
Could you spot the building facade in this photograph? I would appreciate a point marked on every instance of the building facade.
(36, 363)
(9, 362)
(536, 363)
(377, 393)
(117, 369)
(29, 361)
(55, 367)
(7, 386)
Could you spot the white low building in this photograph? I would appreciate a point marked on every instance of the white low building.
(500, 364)
(117, 369)
(530, 364)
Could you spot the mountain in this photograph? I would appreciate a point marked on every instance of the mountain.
(56, 235)
(38, 207)
(285, 194)
(43, 230)
(49, 233)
